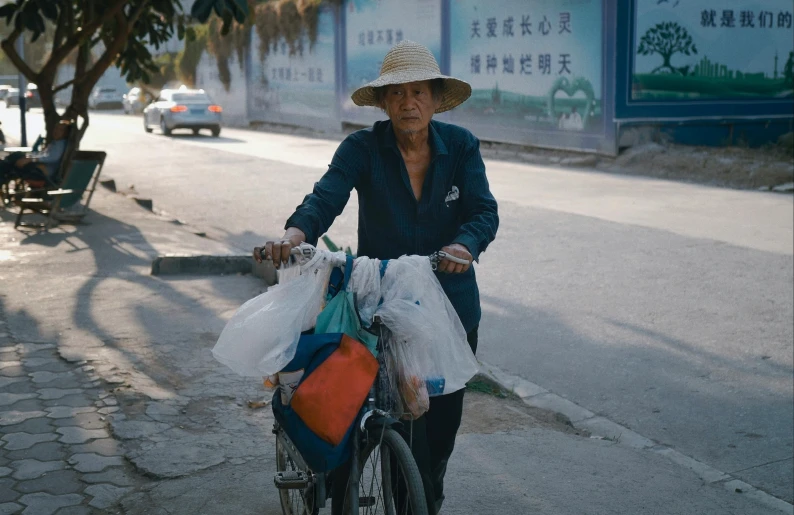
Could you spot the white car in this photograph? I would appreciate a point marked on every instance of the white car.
(134, 101)
(105, 97)
(183, 109)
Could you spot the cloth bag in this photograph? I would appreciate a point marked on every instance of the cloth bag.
(337, 374)
(340, 315)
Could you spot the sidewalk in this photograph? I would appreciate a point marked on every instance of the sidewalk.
(110, 401)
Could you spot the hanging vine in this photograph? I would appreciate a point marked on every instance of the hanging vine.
(272, 20)
(188, 59)
(222, 47)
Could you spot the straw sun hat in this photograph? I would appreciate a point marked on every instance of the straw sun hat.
(408, 61)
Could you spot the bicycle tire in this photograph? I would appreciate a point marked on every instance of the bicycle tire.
(295, 501)
(378, 477)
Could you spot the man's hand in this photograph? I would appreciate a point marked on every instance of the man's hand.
(279, 251)
(459, 251)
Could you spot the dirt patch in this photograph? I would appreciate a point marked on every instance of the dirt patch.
(733, 167)
(486, 414)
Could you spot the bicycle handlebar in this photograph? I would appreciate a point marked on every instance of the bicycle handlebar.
(306, 251)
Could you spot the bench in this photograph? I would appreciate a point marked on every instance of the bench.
(70, 201)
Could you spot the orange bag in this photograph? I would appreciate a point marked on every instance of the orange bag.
(329, 399)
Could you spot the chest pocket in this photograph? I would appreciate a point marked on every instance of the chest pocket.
(448, 206)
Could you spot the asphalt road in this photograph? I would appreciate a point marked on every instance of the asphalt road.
(664, 307)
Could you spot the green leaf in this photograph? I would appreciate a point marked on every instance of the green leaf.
(49, 10)
(7, 11)
(202, 9)
(237, 9)
(227, 23)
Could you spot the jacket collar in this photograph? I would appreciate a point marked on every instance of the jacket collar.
(389, 140)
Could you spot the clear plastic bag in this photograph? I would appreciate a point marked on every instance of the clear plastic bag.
(427, 340)
(261, 337)
(406, 384)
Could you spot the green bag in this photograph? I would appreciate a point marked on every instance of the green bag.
(340, 316)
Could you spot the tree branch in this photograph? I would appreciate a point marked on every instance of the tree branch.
(125, 26)
(8, 46)
(63, 22)
(79, 36)
(63, 86)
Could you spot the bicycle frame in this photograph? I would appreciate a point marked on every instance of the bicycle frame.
(374, 419)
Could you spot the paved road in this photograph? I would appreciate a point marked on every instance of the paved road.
(664, 307)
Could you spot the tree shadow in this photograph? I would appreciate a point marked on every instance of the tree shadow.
(107, 297)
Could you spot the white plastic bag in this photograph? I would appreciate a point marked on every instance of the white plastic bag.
(365, 282)
(262, 335)
(427, 338)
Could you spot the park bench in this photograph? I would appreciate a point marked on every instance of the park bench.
(70, 201)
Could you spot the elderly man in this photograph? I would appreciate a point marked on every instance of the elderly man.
(38, 166)
(421, 187)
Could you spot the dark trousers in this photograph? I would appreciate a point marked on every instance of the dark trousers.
(30, 171)
(433, 439)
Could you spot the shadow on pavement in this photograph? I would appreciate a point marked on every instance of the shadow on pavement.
(732, 419)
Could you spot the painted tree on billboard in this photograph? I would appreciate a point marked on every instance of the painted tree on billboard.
(712, 50)
(667, 39)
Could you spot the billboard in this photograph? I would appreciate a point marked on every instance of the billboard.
(372, 27)
(299, 86)
(533, 66)
(710, 50)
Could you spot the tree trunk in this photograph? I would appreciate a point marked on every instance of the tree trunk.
(666, 64)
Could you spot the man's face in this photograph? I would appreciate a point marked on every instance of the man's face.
(410, 106)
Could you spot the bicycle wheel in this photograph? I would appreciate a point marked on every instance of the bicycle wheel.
(293, 501)
(389, 481)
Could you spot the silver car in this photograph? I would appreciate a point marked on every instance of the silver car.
(183, 109)
(133, 101)
(105, 97)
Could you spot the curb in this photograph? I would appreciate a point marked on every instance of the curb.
(173, 264)
(602, 428)
(213, 265)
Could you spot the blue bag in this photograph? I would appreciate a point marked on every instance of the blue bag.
(312, 350)
(321, 456)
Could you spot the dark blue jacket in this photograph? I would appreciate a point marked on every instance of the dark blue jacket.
(456, 206)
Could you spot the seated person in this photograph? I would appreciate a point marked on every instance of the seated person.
(38, 166)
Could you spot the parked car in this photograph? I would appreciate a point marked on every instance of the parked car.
(134, 101)
(4, 91)
(183, 109)
(32, 98)
(105, 97)
(12, 97)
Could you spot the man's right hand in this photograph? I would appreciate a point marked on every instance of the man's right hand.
(279, 251)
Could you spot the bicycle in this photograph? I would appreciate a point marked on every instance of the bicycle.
(382, 475)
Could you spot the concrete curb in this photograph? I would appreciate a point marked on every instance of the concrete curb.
(173, 264)
(213, 265)
(602, 428)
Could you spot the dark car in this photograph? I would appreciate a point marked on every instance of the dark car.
(32, 98)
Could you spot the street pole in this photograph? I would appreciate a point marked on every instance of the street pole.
(23, 129)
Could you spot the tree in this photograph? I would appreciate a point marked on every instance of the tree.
(119, 32)
(666, 39)
(788, 69)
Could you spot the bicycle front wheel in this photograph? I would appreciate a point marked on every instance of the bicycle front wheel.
(389, 480)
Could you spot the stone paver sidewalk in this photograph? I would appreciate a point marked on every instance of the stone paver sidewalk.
(57, 455)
